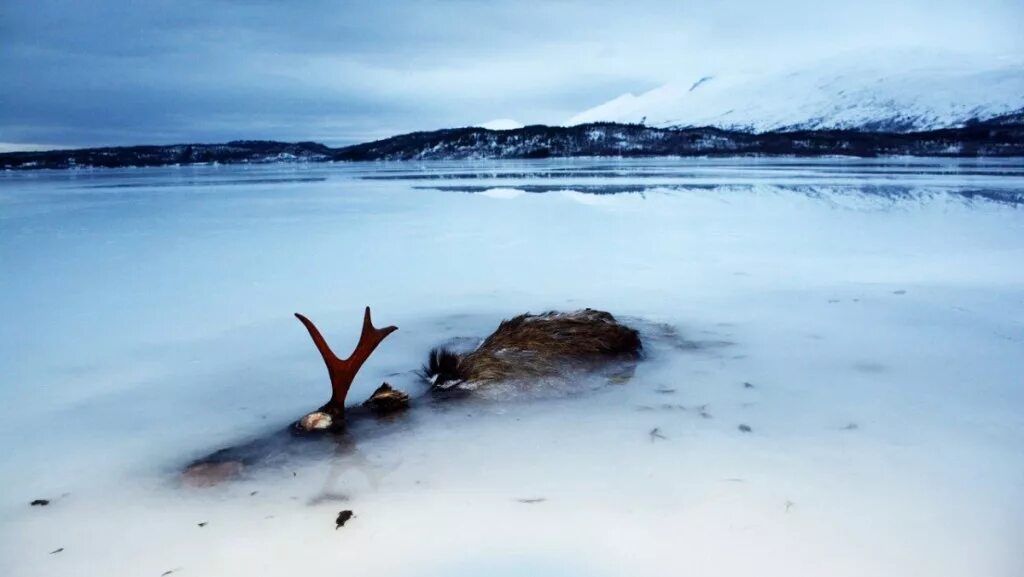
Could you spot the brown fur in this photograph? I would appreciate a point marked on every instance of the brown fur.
(530, 347)
(387, 399)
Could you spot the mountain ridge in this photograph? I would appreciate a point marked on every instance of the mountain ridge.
(998, 137)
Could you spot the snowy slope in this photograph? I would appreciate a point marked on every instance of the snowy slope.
(899, 94)
(501, 124)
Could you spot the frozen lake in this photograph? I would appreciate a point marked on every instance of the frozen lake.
(864, 318)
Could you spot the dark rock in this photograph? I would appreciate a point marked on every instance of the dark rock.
(343, 518)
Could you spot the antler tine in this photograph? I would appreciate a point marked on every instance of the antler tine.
(343, 371)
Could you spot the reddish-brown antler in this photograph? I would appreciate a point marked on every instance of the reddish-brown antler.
(343, 371)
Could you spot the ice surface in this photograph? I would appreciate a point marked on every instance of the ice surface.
(875, 307)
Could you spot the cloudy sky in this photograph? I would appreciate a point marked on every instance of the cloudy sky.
(101, 72)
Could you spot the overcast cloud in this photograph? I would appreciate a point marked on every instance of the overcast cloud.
(101, 72)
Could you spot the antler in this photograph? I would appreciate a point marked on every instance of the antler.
(343, 371)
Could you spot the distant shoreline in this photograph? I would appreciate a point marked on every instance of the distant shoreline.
(997, 138)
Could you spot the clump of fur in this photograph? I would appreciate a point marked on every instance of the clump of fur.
(442, 368)
(386, 400)
(530, 347)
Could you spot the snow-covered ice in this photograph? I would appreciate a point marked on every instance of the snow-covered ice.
(863, 318)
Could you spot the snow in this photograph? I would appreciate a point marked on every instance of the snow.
(502, 193)
(501, 124)
(873, 305)
(904, 92)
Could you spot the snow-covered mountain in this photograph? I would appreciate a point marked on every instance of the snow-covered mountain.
(900, 93)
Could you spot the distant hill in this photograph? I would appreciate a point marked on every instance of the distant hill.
(235, 152)
(1002, 136)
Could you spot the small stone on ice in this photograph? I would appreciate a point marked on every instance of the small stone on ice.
(343, 518)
